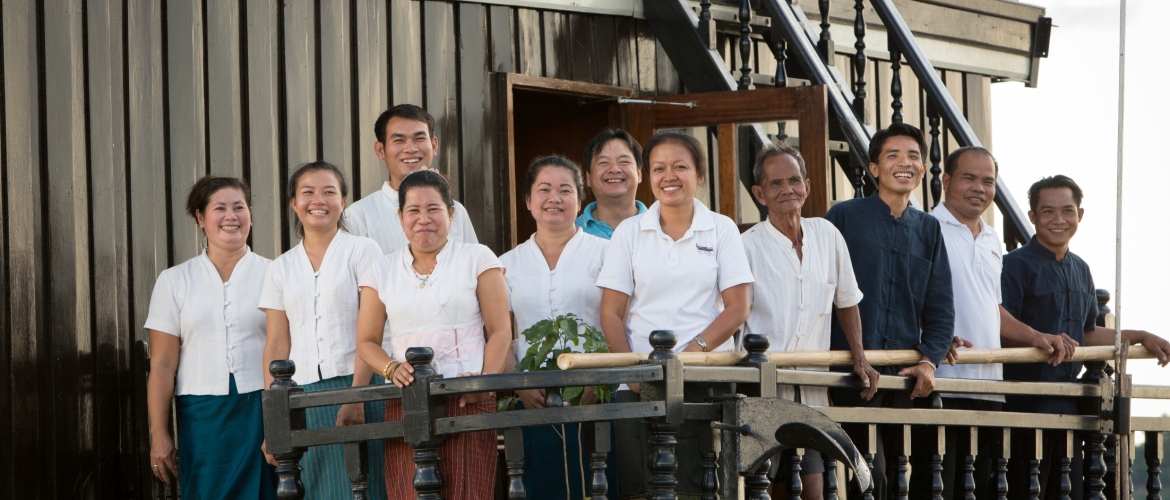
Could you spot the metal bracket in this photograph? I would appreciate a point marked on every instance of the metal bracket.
(690, 104)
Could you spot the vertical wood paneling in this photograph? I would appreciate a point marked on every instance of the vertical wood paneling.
(373, 91)
(68, 219)
(912, 109)
(558, 45)
(647, 58)
(584, 53)
(978, 107)
(954, 83)
(111, 311)
(882, 74)
(627, 52)
(606, 50)
(503, 57)
(666, 77)
(442, 87)
(264, 142)
(300, 83)
(528, 42)
(476, 116)
(26, 265)
(337, 130)
(224, 112)
(405, 54)
(188, 126)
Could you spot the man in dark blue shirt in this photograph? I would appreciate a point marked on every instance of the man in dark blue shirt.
(902, 269)
(1050, 289)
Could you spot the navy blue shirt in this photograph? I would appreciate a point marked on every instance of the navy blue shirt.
(1051, 296)
(902, 268)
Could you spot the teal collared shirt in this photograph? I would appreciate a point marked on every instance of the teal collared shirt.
(596, 227)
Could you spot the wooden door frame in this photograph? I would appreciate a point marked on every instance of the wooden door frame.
(808, 105)
(506, 85)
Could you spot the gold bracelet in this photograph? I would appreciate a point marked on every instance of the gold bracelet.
(394, 369)
(387, 370)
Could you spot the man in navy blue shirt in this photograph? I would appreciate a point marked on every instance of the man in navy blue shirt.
(1050, 289)
(902, 269)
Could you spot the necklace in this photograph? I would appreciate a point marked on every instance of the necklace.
(424, 279)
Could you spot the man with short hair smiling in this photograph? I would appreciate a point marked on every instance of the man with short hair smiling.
(1051, 289)
(975, 258)
(901, 265)
(405, 141)
(613, 170)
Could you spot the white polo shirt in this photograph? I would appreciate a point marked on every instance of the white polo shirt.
(441, 313)
(536, 292)
(976, 263)
(219, 328)
(376, 217)
(322, 305)
(674, 285)
(793, 298)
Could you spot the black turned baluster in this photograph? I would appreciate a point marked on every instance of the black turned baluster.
(709, 486)
(416, 403)
(663, 462)
(780, 46)
(288, 467)
(745, 44)
(756, 485)
(903, 470)
(601, 447)
(936, 465)
(1154, 465)
(895, 83)
(1034, 466)
(870, 451)
(859, 92)
(706, 27)
(935, 153)
(825, 45)
(1095, 441)
(858, 179)
(969, 464)
(514, 459)
(355, 467)
(1001, 466)
(795, 486)
(830, 479)
(1066, 467)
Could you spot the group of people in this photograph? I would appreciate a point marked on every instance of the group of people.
(402, 268)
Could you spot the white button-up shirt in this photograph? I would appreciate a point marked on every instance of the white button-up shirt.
(219, 328)
(439, 310)
(376, 217)
(976, 264)
(537, 293)
(674, 285)
(793, 298)
(322, 305)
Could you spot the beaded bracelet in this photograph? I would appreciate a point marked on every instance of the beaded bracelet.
(389, 369)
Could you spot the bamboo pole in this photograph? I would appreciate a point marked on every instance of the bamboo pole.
(577, 361)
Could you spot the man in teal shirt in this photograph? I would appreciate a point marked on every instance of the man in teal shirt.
(613, 169)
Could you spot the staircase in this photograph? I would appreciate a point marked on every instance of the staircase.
(803, 53)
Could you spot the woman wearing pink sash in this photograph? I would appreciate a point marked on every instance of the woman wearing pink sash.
(444, 295)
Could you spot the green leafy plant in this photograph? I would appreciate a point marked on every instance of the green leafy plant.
(550, 338)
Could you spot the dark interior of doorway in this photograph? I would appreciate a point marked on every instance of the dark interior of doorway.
(546, 123)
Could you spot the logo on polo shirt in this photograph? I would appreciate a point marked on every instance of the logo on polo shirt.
(703, 249)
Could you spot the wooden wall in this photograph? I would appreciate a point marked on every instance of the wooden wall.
(112, 109)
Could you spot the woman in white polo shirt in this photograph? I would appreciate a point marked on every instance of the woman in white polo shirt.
(204, 328)
(311, 301)
(552, 274)
(678, 266)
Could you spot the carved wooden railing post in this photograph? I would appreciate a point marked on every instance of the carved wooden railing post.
(969, 464)
(1001, 465)
(903, 467)
(599, 486)
(278, 439)
(825, 45)
(870, 455)
(663, 462)
(936, 465)
(795, 486)
(779, 48)
(935, 153)
(1066, 467)
(1095, 440)
(1154, 465)
(745, 44)
(706, 27)
(1034, 465)
(895, 82)
(419, 409)
(709, 486)
(830, 479)
(514, 460)
(859, 92)
(356, 465)
(756, 485)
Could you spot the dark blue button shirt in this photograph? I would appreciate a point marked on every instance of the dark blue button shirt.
(902, 268)
(1051, 296)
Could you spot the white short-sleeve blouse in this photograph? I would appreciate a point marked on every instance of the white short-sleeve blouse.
(440, 310)
(322, 305)
(674, 285)
(536, 292)
(220, 331)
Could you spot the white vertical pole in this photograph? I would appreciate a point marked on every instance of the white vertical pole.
(1120, 164)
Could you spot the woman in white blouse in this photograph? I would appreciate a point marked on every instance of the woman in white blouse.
(444, 295)
(206, 343)
(678, 266)
(311, 301)
(552, 274)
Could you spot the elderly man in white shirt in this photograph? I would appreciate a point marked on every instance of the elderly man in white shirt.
(980, 321)
(802, 270)
(405, 142)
